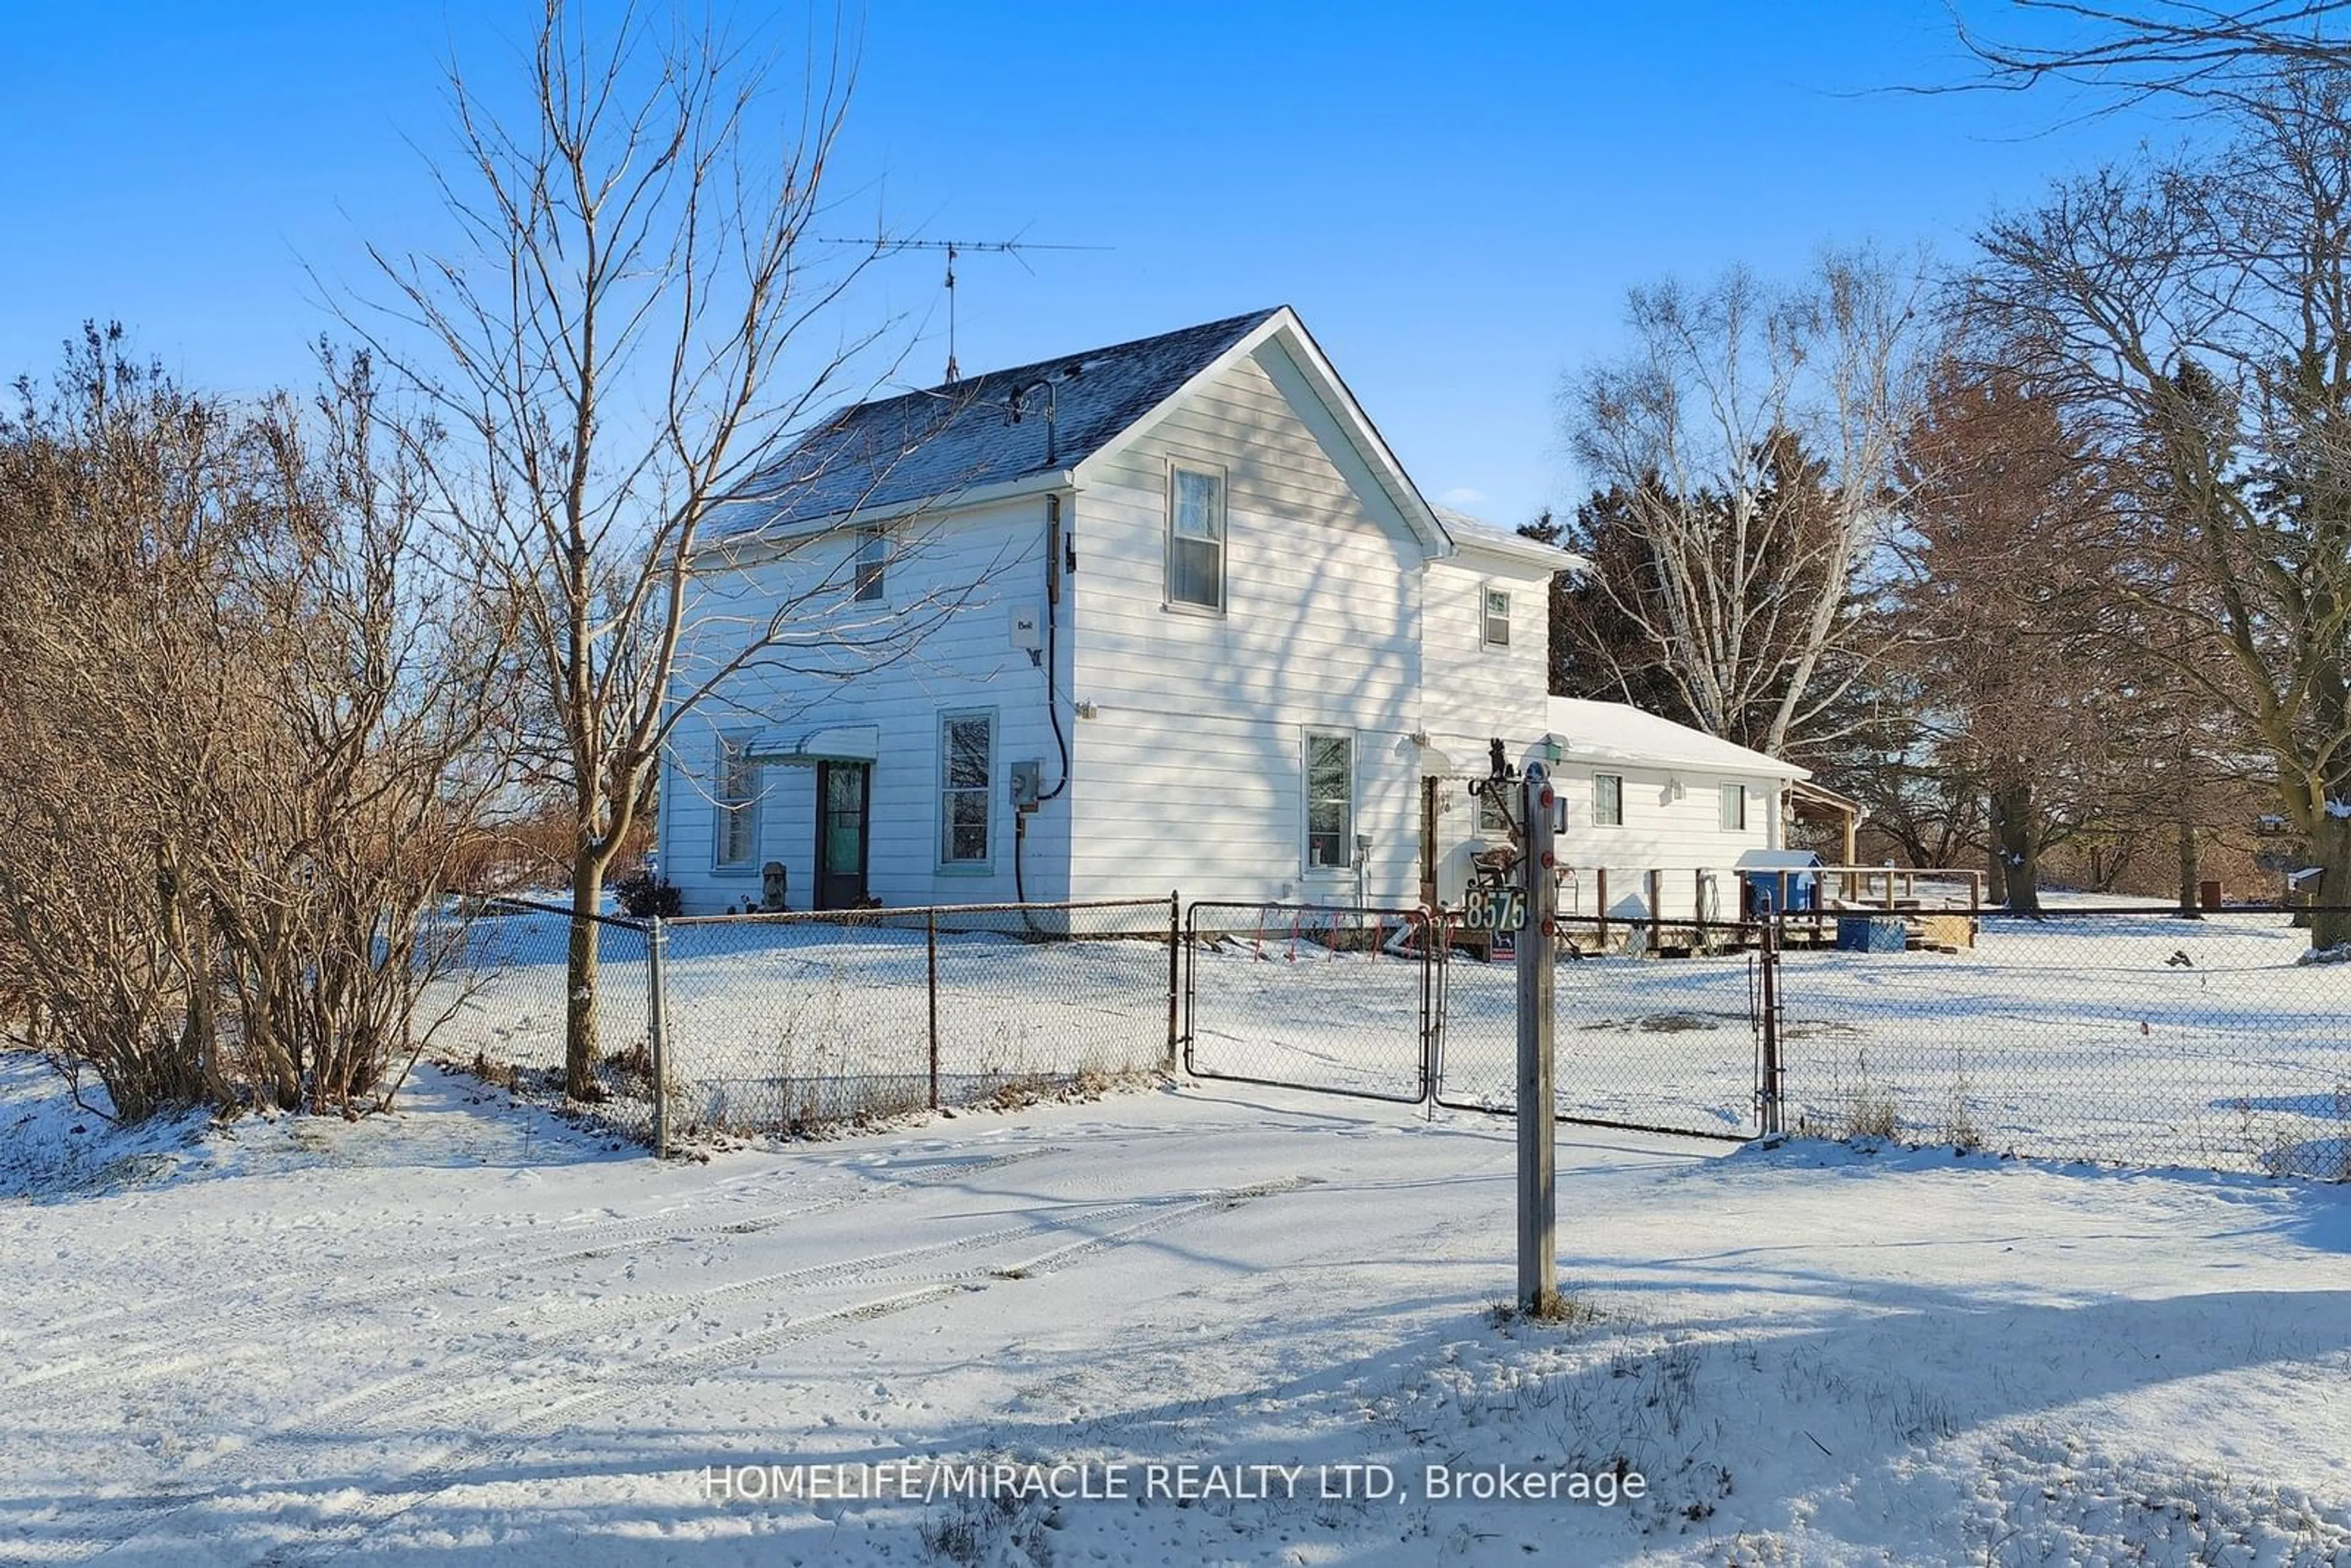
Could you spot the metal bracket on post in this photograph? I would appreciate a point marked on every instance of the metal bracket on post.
(657, 1033)
(1538, 1150)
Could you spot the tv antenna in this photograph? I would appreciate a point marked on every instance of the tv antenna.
(882, 245)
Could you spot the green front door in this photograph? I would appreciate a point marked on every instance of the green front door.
(842, 790)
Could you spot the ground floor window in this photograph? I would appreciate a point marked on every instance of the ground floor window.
(1493, 816)
(1608, 800)
(1734, 808)
(966, 765)
(1330, 801)
(737, 803)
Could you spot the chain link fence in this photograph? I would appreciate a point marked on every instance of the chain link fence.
(785, 1023)
(2114, 1035)
(2121, 1035)
(507, 1004)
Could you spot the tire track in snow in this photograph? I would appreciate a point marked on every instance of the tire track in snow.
(509, 1441)
(102, 1361)
(429, 1390)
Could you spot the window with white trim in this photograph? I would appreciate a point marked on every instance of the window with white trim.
(734, 835)
(868, 568)
(1494, 620)
(1608, 800)
(1195, 538)
(1734, 808)
(966, 771)
(1493, 817)
(1329, 801)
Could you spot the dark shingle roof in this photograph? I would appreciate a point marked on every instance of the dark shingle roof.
(948, 439)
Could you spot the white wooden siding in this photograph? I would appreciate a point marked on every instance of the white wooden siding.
(980, 563)
(1677, 837)
(1191, 774)
(1473, 695)
(1473, 690)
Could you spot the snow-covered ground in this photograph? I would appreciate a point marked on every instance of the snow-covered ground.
(2135, 1040)
(468, 1333)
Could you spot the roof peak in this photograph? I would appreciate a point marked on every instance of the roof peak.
(969, 433)
(1245, 322)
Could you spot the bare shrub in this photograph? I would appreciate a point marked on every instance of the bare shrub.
(248, 706)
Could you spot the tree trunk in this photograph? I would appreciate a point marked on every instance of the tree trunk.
(2330, 844)
(1996, 874)
(2013, 847)
(581, 1045)
(2190, 871)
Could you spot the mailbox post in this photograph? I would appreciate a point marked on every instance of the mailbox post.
(1538, 947)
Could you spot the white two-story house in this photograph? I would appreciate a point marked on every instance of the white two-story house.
(1166, 615)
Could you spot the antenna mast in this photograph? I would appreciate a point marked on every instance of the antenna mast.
(882, 245)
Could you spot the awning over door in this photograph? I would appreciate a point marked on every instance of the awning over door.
(834, 743)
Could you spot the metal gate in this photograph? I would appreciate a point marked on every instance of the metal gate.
(1303, 996)
(1390, 1005)
(1649, 1043)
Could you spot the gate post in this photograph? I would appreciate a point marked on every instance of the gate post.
(931, 965)
(1537, 1130)
(657, 1033)
(1174, 953)
(1768, 1116)
(1432, 1003)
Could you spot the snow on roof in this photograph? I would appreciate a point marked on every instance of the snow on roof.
(1776, 860)
(1618, 732)
(945, 439)
(1476, 533)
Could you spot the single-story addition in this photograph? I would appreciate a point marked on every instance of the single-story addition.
(1163, 615)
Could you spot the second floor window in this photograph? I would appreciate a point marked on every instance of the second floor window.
(873, 558)
(1196, 538)
(1734, 808)
(1494, 622)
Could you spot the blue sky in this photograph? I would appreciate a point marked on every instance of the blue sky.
(1455, 199)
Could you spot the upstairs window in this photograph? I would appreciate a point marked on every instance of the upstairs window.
(967, 764)
(736, 842)
(1608, 800)
(1195, 538)
(1494, 620)
(1329, 801)
(1734, 808)
(873, 558)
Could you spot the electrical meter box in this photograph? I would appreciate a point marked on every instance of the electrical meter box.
(1028, 783)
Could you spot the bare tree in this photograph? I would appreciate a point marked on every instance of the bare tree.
(2163, 49)
(1733, 398)
(628, 325)
(2198, 318)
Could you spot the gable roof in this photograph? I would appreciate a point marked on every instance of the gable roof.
(1618, 732)
(956, 437)
(1472, 532)
(1036, 426)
